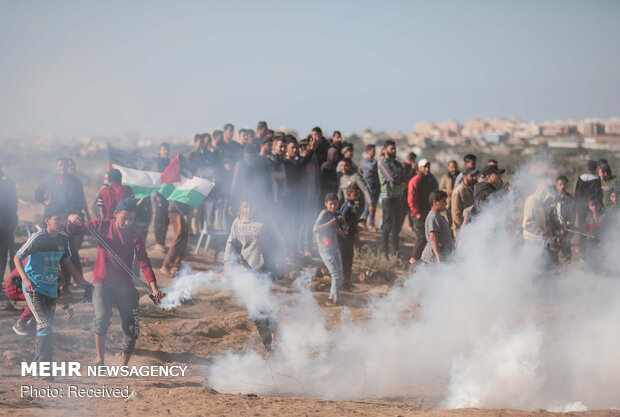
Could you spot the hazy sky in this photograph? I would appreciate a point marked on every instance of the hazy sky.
(178, 67)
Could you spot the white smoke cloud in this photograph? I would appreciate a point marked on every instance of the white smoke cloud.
(497, 328)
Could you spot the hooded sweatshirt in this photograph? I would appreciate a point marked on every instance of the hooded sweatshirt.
(256, 243)
(535, 214)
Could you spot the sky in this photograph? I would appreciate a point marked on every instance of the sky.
(158, 68)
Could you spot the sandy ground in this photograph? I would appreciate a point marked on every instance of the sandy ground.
(204, 327)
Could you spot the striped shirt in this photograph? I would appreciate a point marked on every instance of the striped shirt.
(43, 255)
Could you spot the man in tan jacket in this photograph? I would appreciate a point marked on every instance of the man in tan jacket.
(463, 197)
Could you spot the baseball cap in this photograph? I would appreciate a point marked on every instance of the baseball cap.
(469, 171)
(423, 162)
(492, 169)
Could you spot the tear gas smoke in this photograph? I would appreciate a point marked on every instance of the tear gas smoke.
(496, 328)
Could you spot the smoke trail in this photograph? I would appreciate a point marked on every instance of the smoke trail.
(498, 328)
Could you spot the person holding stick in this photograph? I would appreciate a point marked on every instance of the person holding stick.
(113, 279)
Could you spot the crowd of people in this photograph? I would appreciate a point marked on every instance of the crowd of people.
(280, 199)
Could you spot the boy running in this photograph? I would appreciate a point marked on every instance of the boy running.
(45, 252)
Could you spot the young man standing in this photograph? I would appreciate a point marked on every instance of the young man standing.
(113, 285)
(110, 195)
(162, 160)
(469, 161)
(370, 173)
(160, 224)
(261, 130)
(390, 177)
(418, 192)
(462, 198)
(447, 184)
(439, 244)
(347, 152)
(45, 251)
(231, 148)
(608, 182)
(323, 145)
(178, 216)
(588, 186)
(562, 217)
(336, 140)
(295, 167)
(348, 178)
(483, 190)
(410, 170)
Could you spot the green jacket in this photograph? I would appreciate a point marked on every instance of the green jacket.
(390, 177)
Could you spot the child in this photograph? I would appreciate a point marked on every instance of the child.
(45, 251)
(348, 236)
(255, 242)
(325, 228)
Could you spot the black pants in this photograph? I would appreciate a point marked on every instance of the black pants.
(127, 301)
(347, 252)
(43, 308)
(161, 228)
(420, 237)
(392, 208)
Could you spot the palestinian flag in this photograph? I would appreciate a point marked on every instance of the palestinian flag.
(177, 182)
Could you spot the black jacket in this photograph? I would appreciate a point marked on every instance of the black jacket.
(482, 191)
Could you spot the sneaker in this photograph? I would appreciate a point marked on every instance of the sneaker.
(20, 328)
(331, 303)
(31, 327)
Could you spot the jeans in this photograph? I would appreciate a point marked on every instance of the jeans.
(366, 214)
(333, 262)
(391, 224)
(126, 300)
